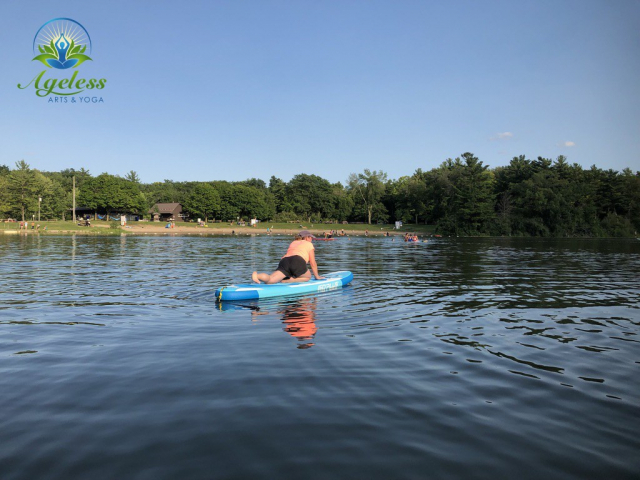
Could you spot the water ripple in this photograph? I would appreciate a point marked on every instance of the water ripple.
(467, 358)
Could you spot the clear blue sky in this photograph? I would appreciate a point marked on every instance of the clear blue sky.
(228, 90)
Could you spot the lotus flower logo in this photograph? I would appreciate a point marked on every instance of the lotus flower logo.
(62, 44)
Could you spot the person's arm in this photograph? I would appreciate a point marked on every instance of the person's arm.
(314, 265)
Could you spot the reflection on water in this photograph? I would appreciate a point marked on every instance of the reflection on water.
(464, 358)
(298, 314)
(298, 318)
(300, 322)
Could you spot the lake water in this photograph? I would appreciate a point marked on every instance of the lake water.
(458, 358)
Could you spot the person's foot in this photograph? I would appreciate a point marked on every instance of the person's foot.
(254, 277)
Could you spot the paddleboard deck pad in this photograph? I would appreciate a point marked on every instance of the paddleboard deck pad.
(249, 291)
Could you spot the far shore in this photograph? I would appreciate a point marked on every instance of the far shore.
(148, 228)
(191, 229)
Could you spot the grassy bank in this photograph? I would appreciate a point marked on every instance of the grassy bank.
(54, 225)
(105, 228)
(351, 227)
(58, 226)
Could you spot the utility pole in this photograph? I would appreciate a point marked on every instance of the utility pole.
(39, 202)
(74, 198)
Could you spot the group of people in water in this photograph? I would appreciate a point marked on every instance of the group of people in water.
(333, 233)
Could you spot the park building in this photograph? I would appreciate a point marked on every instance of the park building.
(166, 212)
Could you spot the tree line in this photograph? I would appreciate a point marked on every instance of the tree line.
(462, 196)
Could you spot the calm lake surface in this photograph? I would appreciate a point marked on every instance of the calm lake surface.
(458, 358)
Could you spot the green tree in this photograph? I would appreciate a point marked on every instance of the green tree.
(22, 188)
(253, 202)
(167, 191)
(474, 199)
(254, 182)
(109, 193)
(441, 194)
(229, 210)
(342, 202)
(310, 197)
(411, 197)
(44, 189)
(66, 177)
(631, 197)
(132, 176)
(277, 187)
(204, 201)
(368, 189)
(238, 200)
(58, 203)
(97, 192)
(5, 204)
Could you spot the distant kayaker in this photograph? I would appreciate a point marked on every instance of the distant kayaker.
(293, 266)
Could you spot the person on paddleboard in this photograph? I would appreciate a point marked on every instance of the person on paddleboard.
(293, 266)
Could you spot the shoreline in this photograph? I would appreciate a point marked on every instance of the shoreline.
(190, 231)
(248, 231)
(138, 230)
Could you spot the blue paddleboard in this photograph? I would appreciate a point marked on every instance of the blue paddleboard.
(248, 291)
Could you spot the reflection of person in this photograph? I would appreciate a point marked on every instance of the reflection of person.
(293, 266)
(299, 320)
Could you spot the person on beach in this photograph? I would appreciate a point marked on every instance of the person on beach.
(293, 266)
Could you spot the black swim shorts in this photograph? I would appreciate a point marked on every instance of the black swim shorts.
(293, 266)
